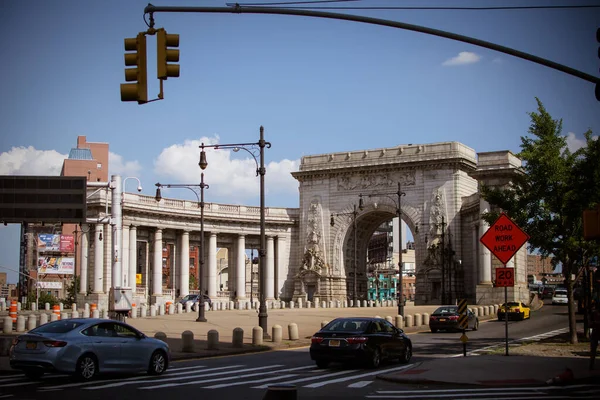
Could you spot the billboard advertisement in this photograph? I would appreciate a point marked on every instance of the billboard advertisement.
(50, 285)
(48, 242)
(56, 265)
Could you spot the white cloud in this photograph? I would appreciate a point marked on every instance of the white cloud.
(574, 144)
(463, 58)
(29, 161)
(231, 176)
(117, 166)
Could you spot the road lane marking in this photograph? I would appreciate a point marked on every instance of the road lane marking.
(310, 378)
(270, 379)
(378, 372)
(359, 384)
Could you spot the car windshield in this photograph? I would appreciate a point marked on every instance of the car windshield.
(57, 327)
(346, 325)
(446, 310)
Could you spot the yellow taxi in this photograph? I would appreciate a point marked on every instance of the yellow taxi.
(516, 310)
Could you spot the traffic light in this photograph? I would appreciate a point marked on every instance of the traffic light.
(165, 54)
(135, 91)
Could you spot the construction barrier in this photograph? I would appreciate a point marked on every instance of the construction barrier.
(93, 307)
(12, 311)
(56, 311)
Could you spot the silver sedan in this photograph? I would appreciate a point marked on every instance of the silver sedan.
(85, 347)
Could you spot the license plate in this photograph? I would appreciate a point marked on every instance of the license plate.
(31, 345)
(442, 319)
(334, 343)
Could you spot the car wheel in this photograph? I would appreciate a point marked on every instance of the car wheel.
(407, 355)
(158, 363)
(375, 358)
(87, 367)
(434, 330)
(476, 325)
(322, 364)
(34, 373)
(522, 316)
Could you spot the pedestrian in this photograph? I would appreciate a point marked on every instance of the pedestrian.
(594, 322)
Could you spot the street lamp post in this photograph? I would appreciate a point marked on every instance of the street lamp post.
(332, 223)
(262, 252)
(399, 193)
(202, 186)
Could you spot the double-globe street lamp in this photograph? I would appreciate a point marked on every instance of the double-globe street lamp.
(202, 186)
(354, 213)
(399, 193)
(251, 148)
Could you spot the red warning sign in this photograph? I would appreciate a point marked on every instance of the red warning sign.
(504, 238)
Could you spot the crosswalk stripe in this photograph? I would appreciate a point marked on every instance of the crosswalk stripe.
(359, 384)
(270, 379)
(311, 378)
(378, 372)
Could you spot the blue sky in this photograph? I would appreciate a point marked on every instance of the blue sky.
(316, 85)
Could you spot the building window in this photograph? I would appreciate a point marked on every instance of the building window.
(99, 165)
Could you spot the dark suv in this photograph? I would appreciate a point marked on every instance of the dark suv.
(193, 298)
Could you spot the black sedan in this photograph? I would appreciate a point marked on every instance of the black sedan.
(446, 318)
(361, 339)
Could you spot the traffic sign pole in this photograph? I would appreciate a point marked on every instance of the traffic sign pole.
(506, 318)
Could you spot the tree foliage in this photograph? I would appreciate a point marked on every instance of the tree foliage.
(548, 198)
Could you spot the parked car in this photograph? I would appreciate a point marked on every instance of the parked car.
(546, 292)
(361, 339)
(193, 300)
(446, 318)
(560, 297)
(516, 310)
(85, 347)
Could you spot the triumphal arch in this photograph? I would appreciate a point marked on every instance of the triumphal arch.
(440, 204)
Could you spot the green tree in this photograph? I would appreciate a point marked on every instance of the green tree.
(71, 295)
(547, 200)
(43, 298)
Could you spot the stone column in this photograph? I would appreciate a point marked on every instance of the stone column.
(281, 270)
(132, 257)
(212, 266)
(125, 257)
(184, 264)
(270, 270)
(83, 273)
(240, 267)
(98, 260)
(485, 256)
(157, 264)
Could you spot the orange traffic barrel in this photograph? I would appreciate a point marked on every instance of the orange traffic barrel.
(12, 311)
(56, 311)
(92, 307)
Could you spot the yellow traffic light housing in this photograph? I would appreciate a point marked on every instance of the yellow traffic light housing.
(165, 54)
(135, 91)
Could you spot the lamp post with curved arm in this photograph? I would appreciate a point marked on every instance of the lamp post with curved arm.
(262, 252)
(202, 186)
(399, 193)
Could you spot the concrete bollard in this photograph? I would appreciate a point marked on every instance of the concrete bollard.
(43, 318)
(64, 315)
(293, 331)
(74, 314)
(325, 305)
(323, 323)
(144, 312)
(31, 322)
(188, 307)
(300, 303)
(33, 307)
(281, 391)
(389, 319)
(418, 321)
(480, 311)
(74, 307)
(345, 304)
(277, 333)
(47, 306)
(134, 311)
(364, 303)
(179, 308)
(291, 305)
(86, 313)
(399, 322)
(308, 304)
(161, 336)
(257, 336)
(238, 338)
(187, 342)
(8, 325)
(377, 316)
(18, 306)
(426, 319)
(21, 323)
(231, 305)
(86, 306)
(283, 305)
(161, 309)
(61, 306)
(408, 321)
(212, 342)
(95, 313)
(171, 309)
(53, 317)
(153, 310)
(105, 314)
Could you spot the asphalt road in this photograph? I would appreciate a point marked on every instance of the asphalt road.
(248, 376)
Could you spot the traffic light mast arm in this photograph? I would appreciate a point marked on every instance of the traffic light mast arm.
(237, 9)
